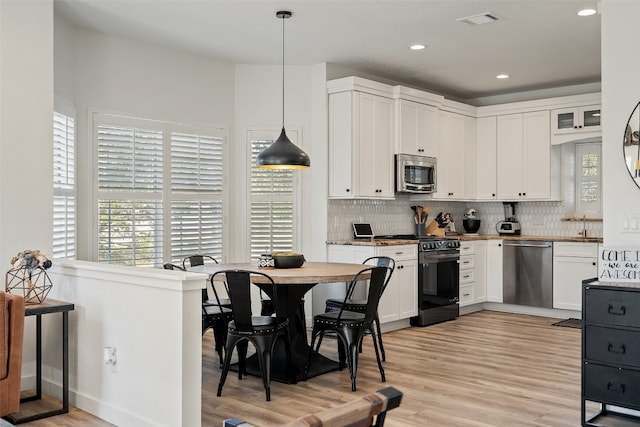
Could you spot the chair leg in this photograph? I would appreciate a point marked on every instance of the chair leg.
(227, 363)
(379, 333)
(375, 346)
(264, 358)
(219, 336)
(349, 340)
(242, 357)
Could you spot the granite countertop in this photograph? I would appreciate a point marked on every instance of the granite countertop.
(463, 237)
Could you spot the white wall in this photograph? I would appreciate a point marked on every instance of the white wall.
(26, 111)
(259, 106)
(620, 94)
(153, 319)
(119, 75)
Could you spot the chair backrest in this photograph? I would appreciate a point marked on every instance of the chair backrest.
(380, 261)
(376, 287)
(194, 260)
(171, 266)
(239, 288)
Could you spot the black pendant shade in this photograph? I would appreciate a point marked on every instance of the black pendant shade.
(283, 154)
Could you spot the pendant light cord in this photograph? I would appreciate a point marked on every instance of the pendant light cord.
(283, 19)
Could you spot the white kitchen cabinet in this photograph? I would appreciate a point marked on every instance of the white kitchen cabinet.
(361, 131)
(473, 288)
(576, 120)
(400, 298)
(453, 135)
(494, 270)
(573, 262)
(416, 128)
(486, 157)
(523, 156)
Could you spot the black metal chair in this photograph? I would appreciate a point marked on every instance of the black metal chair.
(196, 260)
(216, 314)
(351, 327)
(261, 331)
(360, 305)
(171, 266)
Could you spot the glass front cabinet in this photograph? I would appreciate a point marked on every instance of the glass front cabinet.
(577, 119)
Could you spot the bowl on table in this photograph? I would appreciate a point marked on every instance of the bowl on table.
(287, 260)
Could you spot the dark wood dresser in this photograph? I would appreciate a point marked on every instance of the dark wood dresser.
(611, 352)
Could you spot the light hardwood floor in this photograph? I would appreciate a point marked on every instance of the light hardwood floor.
(482, 369)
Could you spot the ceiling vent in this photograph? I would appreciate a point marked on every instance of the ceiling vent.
(479, 19)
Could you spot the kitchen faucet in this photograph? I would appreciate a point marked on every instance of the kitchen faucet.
(583, 233)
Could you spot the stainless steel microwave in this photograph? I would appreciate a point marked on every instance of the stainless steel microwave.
(415, 174)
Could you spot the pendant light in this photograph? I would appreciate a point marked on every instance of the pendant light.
(283, 154)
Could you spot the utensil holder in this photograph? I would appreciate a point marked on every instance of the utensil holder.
(419, 230)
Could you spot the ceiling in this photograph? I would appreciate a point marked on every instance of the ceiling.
(541, 43)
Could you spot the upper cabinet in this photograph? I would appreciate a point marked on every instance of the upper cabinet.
(523, 156)
(361, 132)
(576, 120)
(416, 121)
(456, 136)
(486, 136)
(416, 128)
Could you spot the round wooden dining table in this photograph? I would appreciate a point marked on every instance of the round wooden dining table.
(292, 284)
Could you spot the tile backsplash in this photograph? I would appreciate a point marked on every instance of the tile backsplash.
(396, 217)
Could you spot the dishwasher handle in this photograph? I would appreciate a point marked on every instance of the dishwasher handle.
(528, 245)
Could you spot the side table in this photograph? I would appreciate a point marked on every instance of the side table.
(49, 306)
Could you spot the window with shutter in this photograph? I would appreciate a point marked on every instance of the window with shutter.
(64, 185)
(588, 180)
(153, 209)
(196, 193)
(272, 201)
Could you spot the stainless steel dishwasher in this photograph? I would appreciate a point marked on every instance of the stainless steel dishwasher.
(528, 273)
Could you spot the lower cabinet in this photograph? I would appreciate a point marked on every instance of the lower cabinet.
(473, 285)
(494, 270)
(611, 353)
(400, 298)
(573, 262)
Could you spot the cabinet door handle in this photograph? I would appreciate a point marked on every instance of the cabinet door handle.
(620, 350)
(618, 389)
(621, 312)
(466, 276)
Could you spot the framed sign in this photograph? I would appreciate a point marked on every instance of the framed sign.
(619, 265)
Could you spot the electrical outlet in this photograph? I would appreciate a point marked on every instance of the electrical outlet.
(111, 357)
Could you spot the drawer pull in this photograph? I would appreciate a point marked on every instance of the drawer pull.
(619, 389)
(621, 312)
(466, 276)
(620, 350)
(465, 295)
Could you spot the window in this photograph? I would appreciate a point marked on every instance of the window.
(64, 183)
(272, 200)
(159, 190)
(588, 180)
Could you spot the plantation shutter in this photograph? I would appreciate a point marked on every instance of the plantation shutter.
(64, 187)
(272, 204)
(130, 182)
(588, 179)
(196, 186)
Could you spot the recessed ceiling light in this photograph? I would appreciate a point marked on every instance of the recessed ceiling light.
(587, 12)
(503, 76)
(417, 46)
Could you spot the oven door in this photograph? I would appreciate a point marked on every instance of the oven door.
(438, 278)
